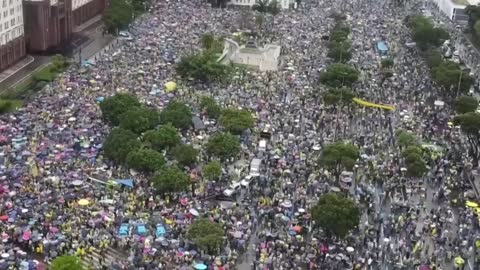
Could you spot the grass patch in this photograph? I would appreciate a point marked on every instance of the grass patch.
(14, 97)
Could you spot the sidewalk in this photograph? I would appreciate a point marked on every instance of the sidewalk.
(87, 24)
(15, 68)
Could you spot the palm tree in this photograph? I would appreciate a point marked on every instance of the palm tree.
(261, 6)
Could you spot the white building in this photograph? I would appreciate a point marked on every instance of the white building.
(455, 9)
(284, 4)
(12, 41)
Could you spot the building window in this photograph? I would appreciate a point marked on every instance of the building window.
(12, 21)
(6, 25)
(4, 3)
(5, 13)
(10, 2)
(12, 10)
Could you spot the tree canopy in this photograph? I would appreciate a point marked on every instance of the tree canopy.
(466, 104)
(170, 180)
(203, 67)
(338, 156)
(449, 75)
(336, 215)
(163, 138)
(223, 145)
(116, 105)
(338, 75)
(266, 6)
(178, 114)
(236, 121)
(470, 125)
(66, 263)
(207, 235)
(424, 32)
(139, 119)
(212, 170)
(405, 139)
(119, 143)
(211, 43)
(338, 97)
(117, 16)
(210, 106)
(144, 160)
(185, 154)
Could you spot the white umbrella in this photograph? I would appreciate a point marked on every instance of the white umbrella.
(194, 212)
(350, 249)
(439, 103)
(287, 204)
(71, 119)
(77, 183)
(403, 169)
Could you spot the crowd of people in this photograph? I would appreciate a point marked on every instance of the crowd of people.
(52, 202)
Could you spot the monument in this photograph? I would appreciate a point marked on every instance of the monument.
(263, 59)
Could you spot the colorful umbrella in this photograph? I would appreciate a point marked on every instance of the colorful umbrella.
(200, 266)
(170, 86)
(83, 202)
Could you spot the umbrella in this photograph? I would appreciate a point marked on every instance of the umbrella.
(471, 204)
(459, 261)
(424, 267)
(297, 229)
(170, 86)
(350, 249)
(287, 204)
(439, 103)
(77, 182)
(83, 202)
(200, 266)
(194, 212)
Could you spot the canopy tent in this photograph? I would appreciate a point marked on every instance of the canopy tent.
(125, 182)
(382, 47)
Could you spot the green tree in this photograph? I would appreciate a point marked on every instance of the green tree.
(340, 51)
(473, 13)
(425, 34)
(118, 16)
(139, 119)
(203, 67)
(470, 125)
(338, 97)
(164, 138)
(185, 154)
(6, 106)
(59, 62)
(405, 139)
(274, 8)
(170, 180)
(412, 150)
(338, 75)
(223, 145)
(207, 235)
(336, 215)
(212, 170)
(178, 114)
(339, 33)
(449, 75)
(236, 121)
(144, 160)
(433, 58)
(416, 166)
(338, 156)
(261, 6)
(466, 104)
(119, 143)
(114, 106)
(210, 106)
(387, 63)
(66, 263)
(476, 27)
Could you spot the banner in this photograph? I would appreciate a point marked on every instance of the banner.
(372, 105)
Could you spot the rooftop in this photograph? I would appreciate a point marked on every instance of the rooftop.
(461, 2)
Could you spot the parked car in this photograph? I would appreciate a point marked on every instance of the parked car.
(247, 180)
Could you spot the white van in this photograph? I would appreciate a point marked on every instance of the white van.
(255, 166)
(262, 145)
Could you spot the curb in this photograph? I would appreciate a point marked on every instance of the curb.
(29, 75)
(15, 72)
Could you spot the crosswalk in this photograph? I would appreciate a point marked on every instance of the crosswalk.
(94, 259)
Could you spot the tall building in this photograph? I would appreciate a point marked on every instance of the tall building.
(84, 10)
(48, 24)
(12, 41)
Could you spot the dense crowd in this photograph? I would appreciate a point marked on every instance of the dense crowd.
(52, 203)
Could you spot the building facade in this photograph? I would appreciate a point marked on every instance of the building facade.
(48, 24)
(12, 40)
(84, 10)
